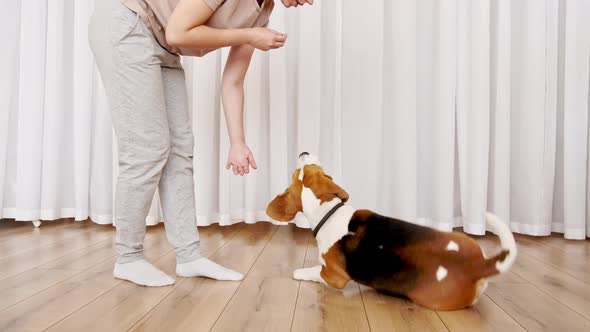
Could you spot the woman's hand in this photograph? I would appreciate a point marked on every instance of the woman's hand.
(296, 3)
(266, 39)
(240, 159)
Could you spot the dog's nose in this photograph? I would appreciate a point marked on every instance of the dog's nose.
(303, 154)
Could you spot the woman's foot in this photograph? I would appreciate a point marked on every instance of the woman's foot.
(143, 273)
(203, 267)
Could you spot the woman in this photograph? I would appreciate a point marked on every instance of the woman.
(137, 44)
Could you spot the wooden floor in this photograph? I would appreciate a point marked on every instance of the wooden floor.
(58, 278)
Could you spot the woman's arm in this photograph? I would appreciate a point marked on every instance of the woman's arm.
(186, 29)
(232, 91)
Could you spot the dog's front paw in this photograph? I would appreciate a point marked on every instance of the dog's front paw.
(299, 274)
(309, 274)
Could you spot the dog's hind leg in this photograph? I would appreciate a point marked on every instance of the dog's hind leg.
(481, 287)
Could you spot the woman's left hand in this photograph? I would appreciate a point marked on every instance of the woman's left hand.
(240, 159)
(296, 3)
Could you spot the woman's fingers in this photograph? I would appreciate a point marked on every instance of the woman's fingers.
(243, 167)
(246, 166)
(278, 44)
(241, 170)
(277, 32)
(296, 3)
(280, 38)
(228, 165)
(238, 170)
(252, 162)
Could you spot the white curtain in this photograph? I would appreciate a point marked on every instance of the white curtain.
(429, 110)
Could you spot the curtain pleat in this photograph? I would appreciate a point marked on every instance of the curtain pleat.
(29, 118)
(398, 193)
(500, 106)
(575, 116)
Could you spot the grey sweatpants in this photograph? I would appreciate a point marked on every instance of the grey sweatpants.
(146, 92)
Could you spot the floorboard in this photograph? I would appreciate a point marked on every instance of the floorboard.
(122, 306)
(59, 278)
(266, 299)
(386, 313)
(320, 308)
(196, 303)
(535, 310)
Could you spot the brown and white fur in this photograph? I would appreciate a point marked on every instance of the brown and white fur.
(439, 270)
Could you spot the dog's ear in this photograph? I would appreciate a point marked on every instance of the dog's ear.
(341, 193)
(285, 206)
(322, 185)
(333, 190)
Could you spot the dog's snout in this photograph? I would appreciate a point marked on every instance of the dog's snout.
(305, 158)
(303, 154)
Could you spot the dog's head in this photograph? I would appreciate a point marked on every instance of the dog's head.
(309, 175)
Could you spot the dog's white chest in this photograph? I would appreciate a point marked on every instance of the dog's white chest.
(333, 230)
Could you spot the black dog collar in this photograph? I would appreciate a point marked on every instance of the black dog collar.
(326, 217)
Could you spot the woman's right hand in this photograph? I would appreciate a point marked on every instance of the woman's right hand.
(266, 39)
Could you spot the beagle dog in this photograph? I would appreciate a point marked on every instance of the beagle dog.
(438, 270)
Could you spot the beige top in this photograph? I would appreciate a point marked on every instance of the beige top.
(228, 14)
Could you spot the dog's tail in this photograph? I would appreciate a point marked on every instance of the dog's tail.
(501, 262)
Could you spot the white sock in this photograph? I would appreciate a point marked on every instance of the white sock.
(203, 267)
(143, 273)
